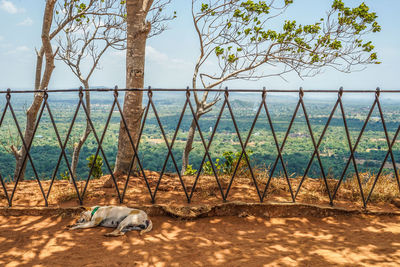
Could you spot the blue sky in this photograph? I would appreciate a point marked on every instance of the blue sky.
(171, 56)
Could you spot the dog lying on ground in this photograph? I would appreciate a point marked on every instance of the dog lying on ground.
(124, 219)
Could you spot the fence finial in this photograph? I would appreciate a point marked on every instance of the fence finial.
(80, 91)
(150, 93)
(301, 92)
(116, 91)
(226, 91)
(264, 92)
(187, 92)
(378, 92)
(340, 93)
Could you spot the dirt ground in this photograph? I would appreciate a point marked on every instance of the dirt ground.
(217, 241)
(170, 192)
(341, 240)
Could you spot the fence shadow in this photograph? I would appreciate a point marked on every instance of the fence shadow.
(228, 241)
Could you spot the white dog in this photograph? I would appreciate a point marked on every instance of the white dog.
(122, 218)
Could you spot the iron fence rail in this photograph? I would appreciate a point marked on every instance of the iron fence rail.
(189, 193)
(192, 90)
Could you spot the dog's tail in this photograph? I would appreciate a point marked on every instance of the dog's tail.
(148, 229)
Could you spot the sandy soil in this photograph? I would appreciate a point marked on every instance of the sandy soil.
(170, 192)
(223, 241)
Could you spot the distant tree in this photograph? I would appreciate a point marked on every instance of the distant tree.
(236, 34)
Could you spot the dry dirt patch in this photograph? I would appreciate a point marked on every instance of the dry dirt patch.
(170, 192)
(224, 241)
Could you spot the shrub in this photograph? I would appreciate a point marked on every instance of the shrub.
(230, 160)
(64, 176)
(207, 169)
(190, 171)
(97, 172)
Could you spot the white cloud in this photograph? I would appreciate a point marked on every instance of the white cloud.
(26, 22)
(9, 7)
(159, 57)
(119, 53)
(22, 48)
(156, 56)
(153, 54)
(18, 50)
(1, 38)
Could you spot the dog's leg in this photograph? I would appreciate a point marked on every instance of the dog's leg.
(116, 232)
(119, 230)
(89, 224)
(148, 229)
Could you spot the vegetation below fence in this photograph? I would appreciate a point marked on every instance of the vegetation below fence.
(170, 193)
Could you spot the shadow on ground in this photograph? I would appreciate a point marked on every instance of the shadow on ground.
(228, 241)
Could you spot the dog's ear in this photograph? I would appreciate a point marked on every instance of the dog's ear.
(87, 208)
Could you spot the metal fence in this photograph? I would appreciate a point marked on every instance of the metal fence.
(205, 143)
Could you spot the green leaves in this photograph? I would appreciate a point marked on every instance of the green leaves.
(260, 8)
(190, 171)
(231, 58)
(97, 172)
(376, 27)
(204, 8)
(227, 163)
(336, 45)
(81, 7)
(373, 57)
(288, 2)
(246, 35)
(358, 18)
(368, 47)
(219, 51)
(338, 5)
(312, 29)
(289, 26)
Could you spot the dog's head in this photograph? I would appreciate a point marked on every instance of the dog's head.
(85, 216)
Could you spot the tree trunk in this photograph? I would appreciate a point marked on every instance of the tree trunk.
(188, 146)
(82, 140)
(202, 108)
(30, 126)
(138, 29)
(41, 82)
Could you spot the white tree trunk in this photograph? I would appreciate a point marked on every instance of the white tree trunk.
(82, 140)
(188, 146)
(41, 82)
